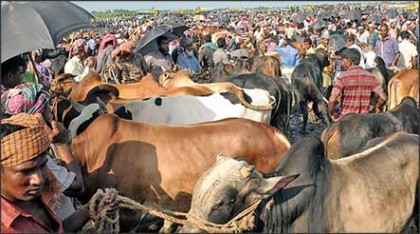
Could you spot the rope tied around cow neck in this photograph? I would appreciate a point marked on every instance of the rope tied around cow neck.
(109, 223)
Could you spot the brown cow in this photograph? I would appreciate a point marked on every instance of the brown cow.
(404, 83)
(158, 165)
(269, 64)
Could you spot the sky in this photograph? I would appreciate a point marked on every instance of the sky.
(173, 5)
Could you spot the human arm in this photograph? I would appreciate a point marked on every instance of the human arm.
(414, 61)
(77, 220)
(60, 138)
(382, 96)
(397, 53)
(336, 91)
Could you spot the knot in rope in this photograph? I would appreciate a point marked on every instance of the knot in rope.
(99, 206)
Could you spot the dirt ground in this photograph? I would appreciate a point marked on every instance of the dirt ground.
(296, 120)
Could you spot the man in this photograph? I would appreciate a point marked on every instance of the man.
(12, 71)
(206, 52)
(325, 39)
(408, 51)
(92, 46)
(362, 34)
(289, 58)
(387, 48)
(373, 35)
(160, 61)
(355, 86)
(187, 59)
(75, 65)
(308, 45)
(108, 44)
(220, 54)
(350, 44)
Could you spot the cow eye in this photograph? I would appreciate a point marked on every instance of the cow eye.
(232, 201)
(218, 205)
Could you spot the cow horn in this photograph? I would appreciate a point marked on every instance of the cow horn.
(102, 105)
(221, 158)
(77, 106)
(246, 171)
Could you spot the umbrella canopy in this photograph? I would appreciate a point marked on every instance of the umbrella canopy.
(148, 43)
(337, 41)
(320, 24)
(327, 15)
(375, 18)
(352, 15)
(299, 18)
(27, 26)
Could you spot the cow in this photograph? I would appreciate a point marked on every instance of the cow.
(269, 64)
(372, 191)
(307, 83)
(158, 165)
(181, 110)
(404, 83)
(276, 87)
(182, 79)
(350, 134)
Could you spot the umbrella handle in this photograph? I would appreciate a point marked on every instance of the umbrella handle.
(34, 67)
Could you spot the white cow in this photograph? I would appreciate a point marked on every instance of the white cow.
(184, 110)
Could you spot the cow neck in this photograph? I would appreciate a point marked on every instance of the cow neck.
(290, 204)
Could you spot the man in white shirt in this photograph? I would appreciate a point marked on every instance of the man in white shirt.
(350, 44)
(408, 51)
(75, 65)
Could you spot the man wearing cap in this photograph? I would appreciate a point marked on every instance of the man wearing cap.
(76, 65)
(29, 191)
(362, 34)
(187, 59)
(355, 86)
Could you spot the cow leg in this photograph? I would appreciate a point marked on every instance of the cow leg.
(304, 110)
(323, 108)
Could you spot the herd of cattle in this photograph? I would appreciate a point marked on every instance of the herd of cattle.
(161, 144)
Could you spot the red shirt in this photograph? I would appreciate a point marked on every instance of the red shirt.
(356, 86)
(16, 220)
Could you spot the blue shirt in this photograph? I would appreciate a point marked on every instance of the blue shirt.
(387, 49)
(289, 55)
(189, 62)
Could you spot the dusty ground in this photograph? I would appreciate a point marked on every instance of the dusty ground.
(296, 123)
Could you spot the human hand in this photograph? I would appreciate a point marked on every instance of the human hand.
(58, 133)
(90, 62)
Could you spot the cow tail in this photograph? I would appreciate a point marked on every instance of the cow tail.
(240, 93)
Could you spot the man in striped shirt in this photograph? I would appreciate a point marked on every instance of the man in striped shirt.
(355, 86)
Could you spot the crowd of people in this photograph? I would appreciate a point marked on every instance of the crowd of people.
(36, 189)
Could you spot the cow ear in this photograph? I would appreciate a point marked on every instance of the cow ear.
(102, 105)
(270, 186)
(77, 106)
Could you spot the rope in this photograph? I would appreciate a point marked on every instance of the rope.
(104, 222)
(244, 221)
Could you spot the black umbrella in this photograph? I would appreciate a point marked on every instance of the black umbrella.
(148, 43)
(320, 24)
(26, 26)
(299, 18)
(352, 15)
(392, 13)
(327, 15)
(375, 19)
(337, 41)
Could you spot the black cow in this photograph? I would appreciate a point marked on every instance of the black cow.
(350, 134)
(307, 86)
(373, 191)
